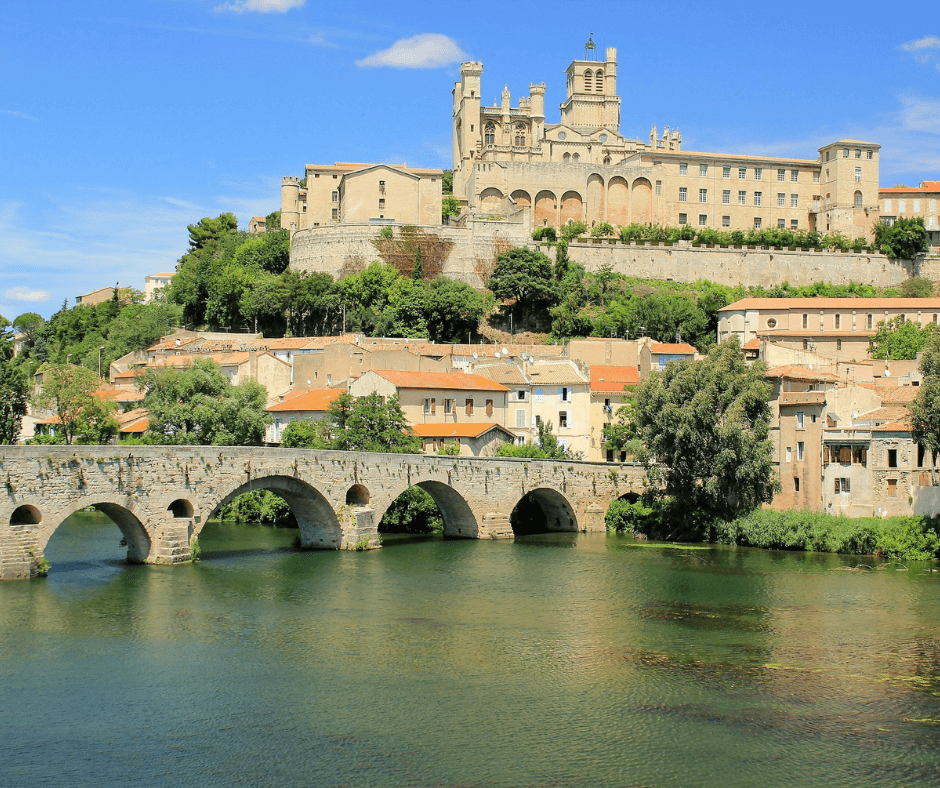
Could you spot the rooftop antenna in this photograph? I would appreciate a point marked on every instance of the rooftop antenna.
(590, 48)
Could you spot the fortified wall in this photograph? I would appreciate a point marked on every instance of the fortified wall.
(471, 253)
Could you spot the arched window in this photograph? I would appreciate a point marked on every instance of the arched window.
(566, 158)
(858, 199)
(576, 157)
(489, 134)
(588, 81)
(607, 160)
(520, 134)
(599, 80)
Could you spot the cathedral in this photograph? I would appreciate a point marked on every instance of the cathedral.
(510, 162)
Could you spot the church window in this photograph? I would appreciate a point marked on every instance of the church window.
(599, 80)
(607, 160)
(576, 157)
(489, 134)
(520, 134)
(588, 81)
(858, 199)
(566, 158)
(562, 136)
(602, 138)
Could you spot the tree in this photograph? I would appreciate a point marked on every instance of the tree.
(356, 424)
(523, 275)
(29, 324)
(199, 406)
(273, 221)
(447, 182)
(450, 206)
(706, 423)
(417, 273)
(546, 447)
(905, 238)
(68, 392)
(207, 230)
(925, 409)
(413, 512)
(900, 339)
(454, 310)
(13, 390)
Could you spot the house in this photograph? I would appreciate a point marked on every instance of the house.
(654, 356)
(903, 202)
(156, 283)
(473, 438)
(299, 405)
(609, 391)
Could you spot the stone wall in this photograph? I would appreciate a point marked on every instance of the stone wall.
(733, 266)
(160, 497)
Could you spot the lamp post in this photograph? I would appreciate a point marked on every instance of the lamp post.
(99, 360)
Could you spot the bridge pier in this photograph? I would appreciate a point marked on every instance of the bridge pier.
(359, 528)
(20, 554)
(496, 526)
(172, 544)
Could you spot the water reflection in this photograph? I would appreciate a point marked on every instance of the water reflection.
(450, 662)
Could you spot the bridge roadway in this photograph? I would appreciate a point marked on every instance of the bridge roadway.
(161, 496)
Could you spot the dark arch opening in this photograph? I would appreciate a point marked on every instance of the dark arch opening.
(626, 514)
(306, 508)
(357, 495)
(542, 511)
(181, 508)
(26, 515)
(430, 508)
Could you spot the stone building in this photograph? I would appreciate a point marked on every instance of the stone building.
(903, 202)
(582, 168)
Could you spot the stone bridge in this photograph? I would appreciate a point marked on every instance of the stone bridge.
(161, 496)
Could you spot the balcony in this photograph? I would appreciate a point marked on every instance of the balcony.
(803, 398)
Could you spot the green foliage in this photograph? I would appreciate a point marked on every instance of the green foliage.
(208, 231)
(272, 221)
(544, 234)
(573, 229)
(198, 405)
(195, 551)
(897, 538)
(449, 450)
(906, 238)
(925, 409)
(624, 515)
(417, 273)
(259, 506)
(302, 435)
(707, 424)
(68, 393)
(412, 512)
(900, 339)
(13, 391)
(447, 182)
(28, 323)
(918, 287)
(522, 275)
(546, 447)
(450, 206)
(603, 230)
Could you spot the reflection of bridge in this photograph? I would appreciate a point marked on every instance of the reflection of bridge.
(161, 496)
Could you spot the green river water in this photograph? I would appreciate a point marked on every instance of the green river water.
(557, 660)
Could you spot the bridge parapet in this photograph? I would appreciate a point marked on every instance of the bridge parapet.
(161, 496)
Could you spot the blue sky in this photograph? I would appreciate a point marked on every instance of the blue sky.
(122, 122)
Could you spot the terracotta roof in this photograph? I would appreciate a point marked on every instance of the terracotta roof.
(893, 395)
(307, 400)
(681, 348)
(794, 372)
(822, 303)
(291, 343)
(893, 426)
(506, 374)
(438, 380)
(555, 374)
(605, 378)
(462, 430)
(751, 344)
(926, 187)
(129, 374)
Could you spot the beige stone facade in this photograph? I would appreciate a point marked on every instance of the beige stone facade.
(348, 193)
(902, 202)
(582, 168)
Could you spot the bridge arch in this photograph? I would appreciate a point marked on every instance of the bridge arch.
(459, 520)
(26, 515)
(543, 509)
(319, 526)
(136, 535)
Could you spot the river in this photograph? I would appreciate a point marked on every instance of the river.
(558, 660)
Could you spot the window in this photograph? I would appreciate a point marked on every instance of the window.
(683, 194)
(892, 458)
(858, 153)
(757, 222)
(683, 168)
(520, 417)
(800, 420)
(381, 203)
(683, 219)
(845, 153)
(468, 406)
(800, 450)
(869, 322)
(794, 223)
(382, 186)
(757, 198)
(702, 219)
(838, 319)
(815, 177)
(789, 454)
(794, 175)
(564, 394)
(902, 206)
(588, 81)
(489, 134)
(781, 224)
(562, 418)
(703, 195)
(519, 139)
(858, 174)
(659, 187)
(334, 196)
(566, 158)
(742, 198)
(758, 173)
(449, 406)
(576, 157)
(841, 485)
(869, 153)
(806, 321)
(838, 344)
(781, 175)
(794, 200)
(858, 199)
(334, 214)
(781, 200)
(520, 395)
(742, 173)
(702, 170)
(725, 172)
(725, 221)
(489, 407)
(726, 197)
(805, 344)
(562, 136)
(429, 405)
(916, 206)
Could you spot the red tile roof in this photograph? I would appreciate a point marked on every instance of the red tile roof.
(672, 348)
(306, 400)
(604, 378)
(462, 430)
(907, 304)
(793, 372)
(438, 380)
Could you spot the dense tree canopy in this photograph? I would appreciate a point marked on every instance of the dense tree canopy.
(899, 339)
(68, 392)
(925, 409)
(198, 405)
(13, 388)
(905, 238)
(706, 424)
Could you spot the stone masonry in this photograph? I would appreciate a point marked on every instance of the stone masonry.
(160, 497)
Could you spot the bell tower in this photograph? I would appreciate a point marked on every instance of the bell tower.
(592, 101)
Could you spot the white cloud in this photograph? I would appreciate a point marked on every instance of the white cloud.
(920, 114)
(428, 50)
(261, 6)
(320, 40)
(24, 294)
(927, 42)
(15, 114)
